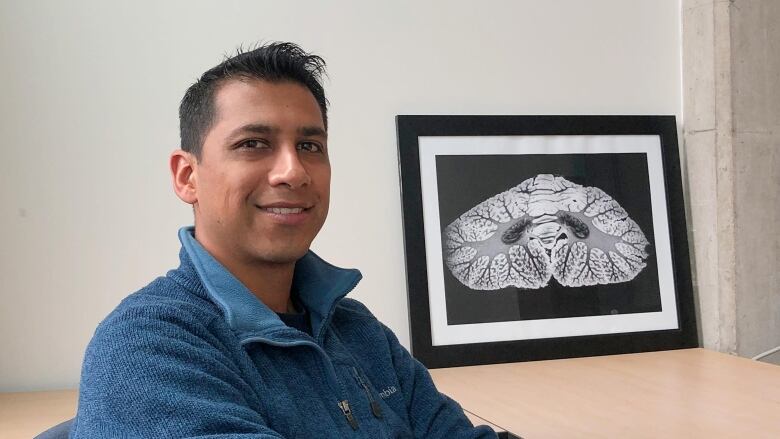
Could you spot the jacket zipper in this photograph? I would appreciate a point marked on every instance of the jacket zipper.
(376, 409)
(344, 406)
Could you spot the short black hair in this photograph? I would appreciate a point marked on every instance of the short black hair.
(273, 62)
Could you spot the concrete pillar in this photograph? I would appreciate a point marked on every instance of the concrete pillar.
(731, 130)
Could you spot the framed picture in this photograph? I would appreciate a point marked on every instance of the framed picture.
(543, 237)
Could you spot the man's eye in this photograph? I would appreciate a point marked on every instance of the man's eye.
(253, 144)
(310, 147)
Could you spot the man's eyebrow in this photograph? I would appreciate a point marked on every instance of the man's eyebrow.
(260, 128)
(312, 131)
(252, 128)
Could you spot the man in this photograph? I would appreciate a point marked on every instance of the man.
(251, 337)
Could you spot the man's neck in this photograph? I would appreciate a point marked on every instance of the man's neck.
(270, 283)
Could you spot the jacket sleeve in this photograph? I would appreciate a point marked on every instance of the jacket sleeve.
(432, 414)
(152, 372)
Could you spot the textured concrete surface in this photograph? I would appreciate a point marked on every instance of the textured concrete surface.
(731, 107)
(708, 146)
(699, 148)
(755, 35)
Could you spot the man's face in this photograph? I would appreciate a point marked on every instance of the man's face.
(263, 179)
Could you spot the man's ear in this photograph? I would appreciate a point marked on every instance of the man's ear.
(184, 172)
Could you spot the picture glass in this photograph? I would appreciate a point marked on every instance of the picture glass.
(531, 237)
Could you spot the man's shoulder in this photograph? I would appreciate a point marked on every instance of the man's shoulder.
(162, 305)
(164, 294)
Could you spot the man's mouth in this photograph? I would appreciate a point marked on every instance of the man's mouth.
(287, 213)
(283, 210)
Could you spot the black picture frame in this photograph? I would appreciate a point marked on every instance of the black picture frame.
(463, 150)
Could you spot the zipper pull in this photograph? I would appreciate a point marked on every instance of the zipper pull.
(376, 409)
(344, 406)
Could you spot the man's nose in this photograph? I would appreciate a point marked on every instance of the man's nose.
(287, 169)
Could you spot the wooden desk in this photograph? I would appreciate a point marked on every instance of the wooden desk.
(691, 393)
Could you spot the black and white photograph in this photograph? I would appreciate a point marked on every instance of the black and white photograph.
(560, 231)
(560, 243)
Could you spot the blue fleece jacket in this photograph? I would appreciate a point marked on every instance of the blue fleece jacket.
(195, 354)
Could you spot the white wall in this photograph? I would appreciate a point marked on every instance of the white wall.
(89, 92)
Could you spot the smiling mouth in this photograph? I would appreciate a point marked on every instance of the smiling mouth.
(283, 210)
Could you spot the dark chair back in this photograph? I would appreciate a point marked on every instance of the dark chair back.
(59, 431)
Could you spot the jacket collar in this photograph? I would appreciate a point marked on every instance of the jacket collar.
(319, 286)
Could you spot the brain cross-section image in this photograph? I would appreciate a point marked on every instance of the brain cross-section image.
(545, 228)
